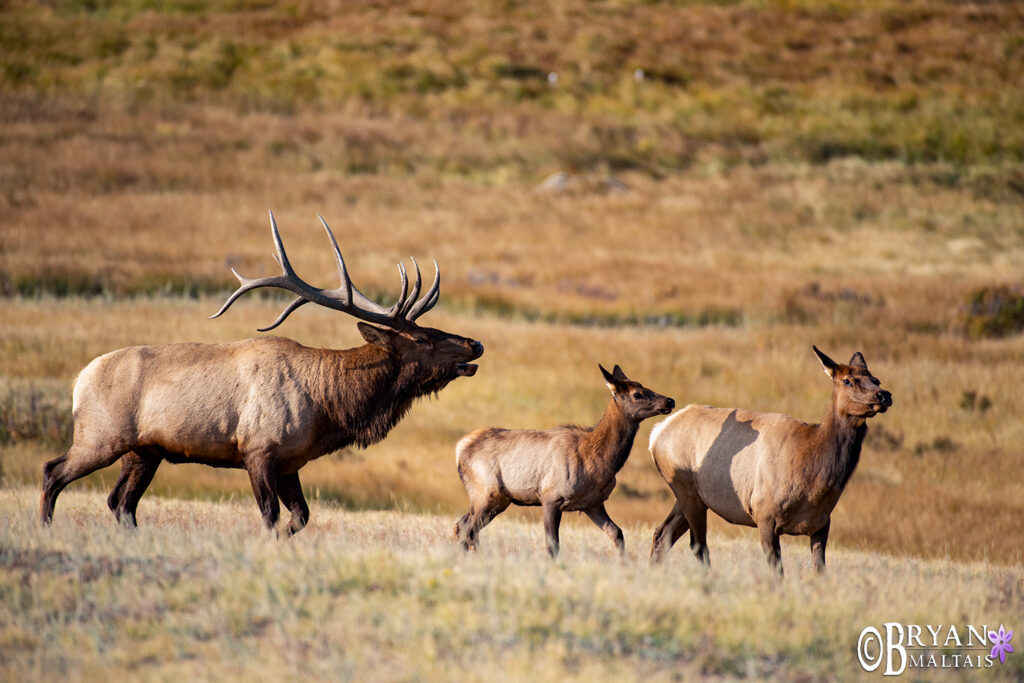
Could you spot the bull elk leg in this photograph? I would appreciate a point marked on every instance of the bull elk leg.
(818, 541)
(552, 520)
(264, 487)
(75, 464)
(599, 516)
(137, 473)
(670, 531)
(770, 544)
(289, 490)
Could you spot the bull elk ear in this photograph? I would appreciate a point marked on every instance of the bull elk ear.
(375, 335)
(858, 361)
(827, 364)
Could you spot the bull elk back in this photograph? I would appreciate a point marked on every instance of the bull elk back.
(765, 470)
(267, 405)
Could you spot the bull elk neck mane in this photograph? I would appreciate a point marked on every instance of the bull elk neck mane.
(267, 405)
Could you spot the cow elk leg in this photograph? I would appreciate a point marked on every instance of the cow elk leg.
(771, 546)
(670, 531)
(818, 541)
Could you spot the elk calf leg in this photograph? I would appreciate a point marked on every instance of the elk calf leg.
(468, 528)
(599, 516)
(289, 490)
(552, 520)
(818, 541)
(771, 546)
(666, 535)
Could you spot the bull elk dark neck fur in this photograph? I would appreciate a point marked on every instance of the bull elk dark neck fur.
(364, 393)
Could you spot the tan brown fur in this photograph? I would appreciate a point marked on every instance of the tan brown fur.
(765, 470)
(568, 468)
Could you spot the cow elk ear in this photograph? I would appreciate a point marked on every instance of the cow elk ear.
(619, 375)
(375, 335)
(827, 364)
(858, 361)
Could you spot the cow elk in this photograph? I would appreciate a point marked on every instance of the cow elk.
(564, 469)
(266, 405)
(765, 470)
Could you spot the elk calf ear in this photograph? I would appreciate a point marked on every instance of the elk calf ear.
(858, 361)
(619, 375)
(375, 335)
(609, 378)
(827, 364)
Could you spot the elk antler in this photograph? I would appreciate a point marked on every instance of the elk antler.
(346, 297)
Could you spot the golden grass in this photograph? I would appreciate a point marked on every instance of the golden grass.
(201, 591)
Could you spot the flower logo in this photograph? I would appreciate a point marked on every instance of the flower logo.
(1000, 643)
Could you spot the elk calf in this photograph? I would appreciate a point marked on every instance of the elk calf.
(567, 468)
(765, 470)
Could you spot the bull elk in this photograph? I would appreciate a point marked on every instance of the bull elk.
(266, 405)
(765, 470)
(567, 468)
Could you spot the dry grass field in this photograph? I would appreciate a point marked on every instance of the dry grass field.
(200, 591)
(746, 179)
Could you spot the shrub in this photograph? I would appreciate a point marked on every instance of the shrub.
(993, 311)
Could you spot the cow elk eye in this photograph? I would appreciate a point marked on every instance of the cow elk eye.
(422, 341)
(846, 382)
(637, 396)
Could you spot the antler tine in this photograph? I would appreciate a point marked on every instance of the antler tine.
(396, 308)
(245, 286)
(415, 290)
(299, 301)
(346, 281)
(346, 298)
(281, 257)
(429, 299)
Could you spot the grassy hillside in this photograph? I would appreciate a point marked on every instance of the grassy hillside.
(199, 591)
